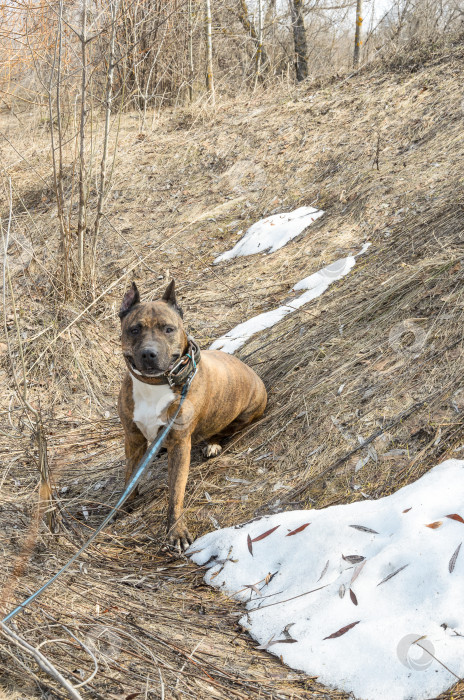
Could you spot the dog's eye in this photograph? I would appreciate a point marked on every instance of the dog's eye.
(169, 329)
(135, 330)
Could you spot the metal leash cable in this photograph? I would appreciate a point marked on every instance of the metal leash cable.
(145, 462)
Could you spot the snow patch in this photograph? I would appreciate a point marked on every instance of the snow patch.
(272, 233)
(315, 285)
(344, 593)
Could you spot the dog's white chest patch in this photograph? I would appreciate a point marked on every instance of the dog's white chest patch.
(150, 406)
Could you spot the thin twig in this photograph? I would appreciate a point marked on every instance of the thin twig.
(42, 661)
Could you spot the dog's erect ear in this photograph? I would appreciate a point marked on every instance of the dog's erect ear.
(169, 297)
(131, 298)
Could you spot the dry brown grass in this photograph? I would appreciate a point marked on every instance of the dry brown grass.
(180, 195)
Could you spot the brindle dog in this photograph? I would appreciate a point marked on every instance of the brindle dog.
(225, 395)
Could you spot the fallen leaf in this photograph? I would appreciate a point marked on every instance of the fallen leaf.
(250, 546)
(265, 534)
(407, 510)
(353, 597)
(324, 570)
(253, 587)
(357, 571)
(434, 525)
(285, 631)
(456, 516)
(266, 644)
(342, 630)
(273, 641)
(361, 463)
(363, 528)
(353, 558)
(341, 590)
(452, 561)
(392, 574)
(298, 529)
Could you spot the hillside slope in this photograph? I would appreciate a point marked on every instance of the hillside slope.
(379, 356)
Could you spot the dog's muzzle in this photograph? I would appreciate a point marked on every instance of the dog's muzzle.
(178, 373)
(146, 372)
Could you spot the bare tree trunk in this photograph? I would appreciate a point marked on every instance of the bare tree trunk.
(259, 47)
(58, 167)
(250, 29)
(269, 12)
(299, 40)
(81, 210)
(357, 37)
(190, 49)
(108, 104)
(402, 14)
(209, 50)
(271, 26)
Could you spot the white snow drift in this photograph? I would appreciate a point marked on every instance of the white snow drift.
(345, 592)
(315, 285)
(272, 233)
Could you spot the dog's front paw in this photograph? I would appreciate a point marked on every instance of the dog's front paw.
(179, 537)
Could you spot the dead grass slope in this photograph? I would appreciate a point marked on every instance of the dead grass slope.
(382, 153)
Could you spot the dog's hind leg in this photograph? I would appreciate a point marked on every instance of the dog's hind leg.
(248, 416)
(211, 449)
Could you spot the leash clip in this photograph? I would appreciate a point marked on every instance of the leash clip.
(186, 366)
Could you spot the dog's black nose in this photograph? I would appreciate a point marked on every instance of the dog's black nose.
(149, 358)
(148, 354)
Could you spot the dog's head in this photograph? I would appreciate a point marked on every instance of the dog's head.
(152, 333)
